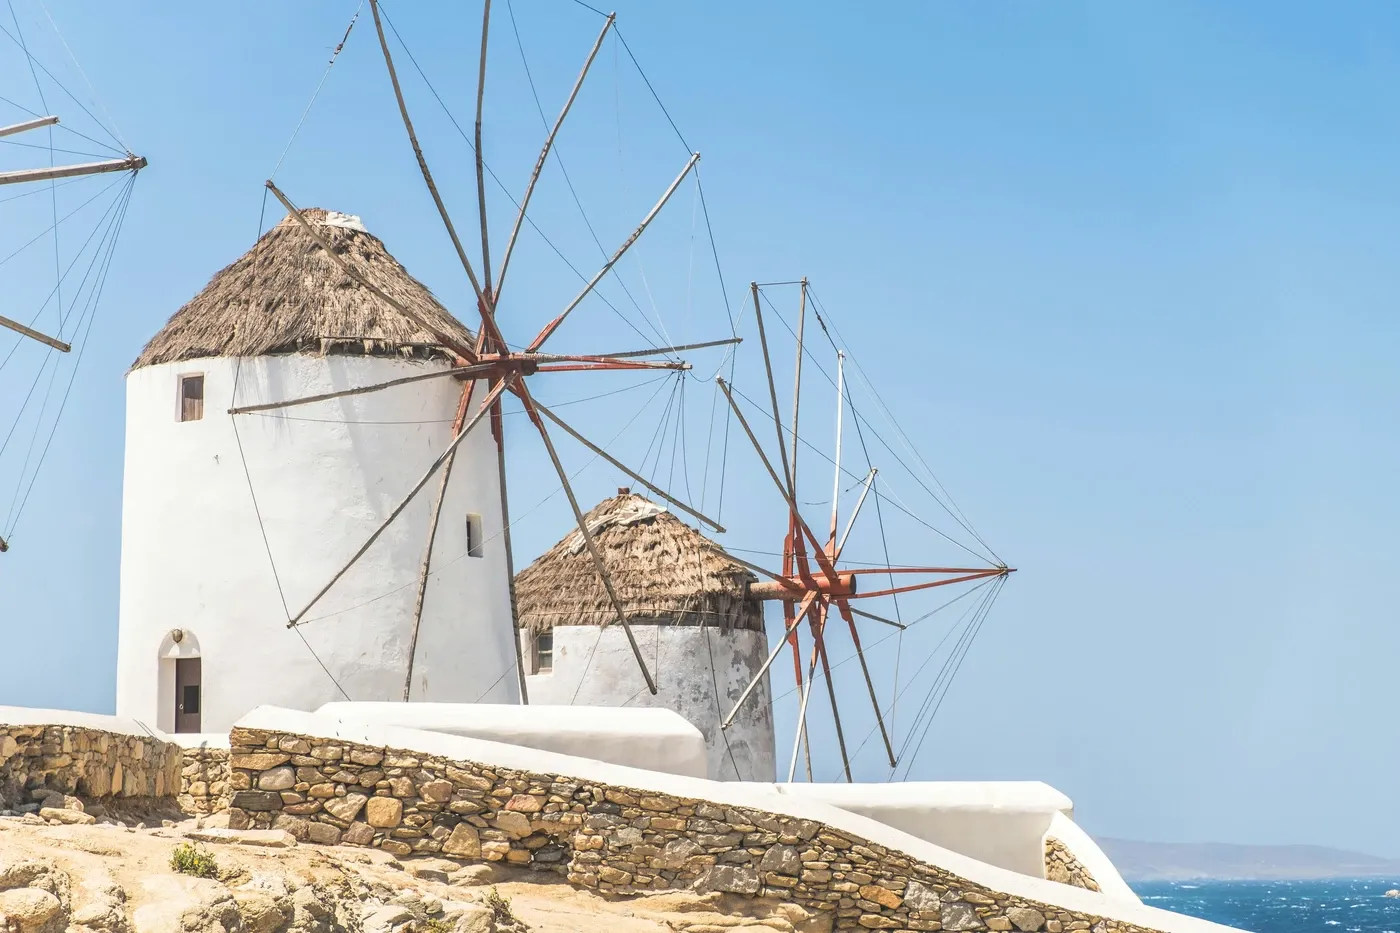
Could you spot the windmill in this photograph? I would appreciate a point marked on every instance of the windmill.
(491, 358)
(811, 583)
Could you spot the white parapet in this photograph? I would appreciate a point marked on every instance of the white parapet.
(655, 739)
(999, 822)
(98, 722)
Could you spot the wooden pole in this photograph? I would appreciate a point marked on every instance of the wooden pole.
(797, 375)
(510, 557)
(544, 154)
(19, 328)
(460, 372)
(845, 611)
(426, 566)
(14, 128)
(417, 487)
(773, 397)
(553, 325)
(836, 477)
(422, 162)
(481, 160)
(657, 351)
(625, 469)
(768, 662)
(592, 546)
(131, 163)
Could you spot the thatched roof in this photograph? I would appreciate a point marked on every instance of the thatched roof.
(286, 295)
(665, 573)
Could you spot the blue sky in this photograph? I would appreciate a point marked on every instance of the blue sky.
(1120, 271)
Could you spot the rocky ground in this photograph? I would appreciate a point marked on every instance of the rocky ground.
(108, 871)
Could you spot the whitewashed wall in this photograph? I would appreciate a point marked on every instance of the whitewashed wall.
(325, 475)
(655, 739)
(699, 672)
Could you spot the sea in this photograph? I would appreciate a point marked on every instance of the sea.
(1282, 906)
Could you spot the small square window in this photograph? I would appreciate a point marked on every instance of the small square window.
(475, 542)
(542, 653)
(192, 397)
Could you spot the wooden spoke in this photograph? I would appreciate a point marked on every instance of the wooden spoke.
(459, 372)
(131, 163)
(768, 662)
(481, 160)
(19, 328)
(1001, 572)
(588, 541)
(553, 325)
(544, 155)
(433, 519)
(873, 617)
(845, 611)
(481, 412)
(35, 124)
(773, 397)
(510, 554)
(658, 351)
(481, 296)
(835, 713)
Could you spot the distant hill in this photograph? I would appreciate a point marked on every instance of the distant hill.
(1169, 861)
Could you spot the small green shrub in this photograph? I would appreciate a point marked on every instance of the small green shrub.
(192, 860)
(500, 909)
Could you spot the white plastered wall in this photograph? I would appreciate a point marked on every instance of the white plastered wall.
(325, 475)
(699, 671)
(655, 739)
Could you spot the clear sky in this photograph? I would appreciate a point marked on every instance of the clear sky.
(1122, 272)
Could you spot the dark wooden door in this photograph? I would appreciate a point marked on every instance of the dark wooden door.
(187, 694)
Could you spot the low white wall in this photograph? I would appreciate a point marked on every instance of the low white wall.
(753, 796)
(117, 725)
(1002, 823)
(656, 739)
(1087, 851)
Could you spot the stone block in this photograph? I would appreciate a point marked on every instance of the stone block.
(1026, 919)
(346, 808)
(257, 801)
(258, 761)
(383, 812)
(282, 778)
(464, 842)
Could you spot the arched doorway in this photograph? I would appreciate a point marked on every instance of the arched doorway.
(181, 682)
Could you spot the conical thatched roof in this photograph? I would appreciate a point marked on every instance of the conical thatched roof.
(665, 573)
(286, 295)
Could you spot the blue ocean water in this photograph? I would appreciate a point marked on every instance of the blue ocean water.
(1282, 906)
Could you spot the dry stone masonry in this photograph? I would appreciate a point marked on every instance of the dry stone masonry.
(616, 840)
(204, 787)
(1062, 866)
(87, 762)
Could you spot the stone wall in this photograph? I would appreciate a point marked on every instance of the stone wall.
(84, 762)
(204, 787)
(614, 839)
(1062, 866)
